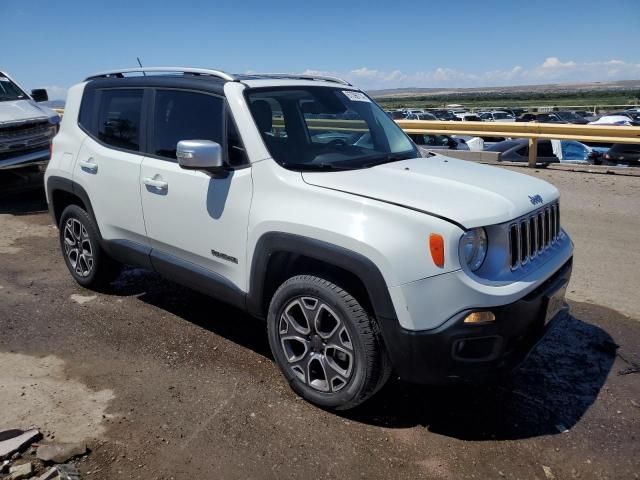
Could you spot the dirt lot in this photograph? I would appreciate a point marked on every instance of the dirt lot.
(166, 383)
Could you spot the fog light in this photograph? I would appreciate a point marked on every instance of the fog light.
(480, 317)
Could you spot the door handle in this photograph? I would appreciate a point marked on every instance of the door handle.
(89, 165)
(155, 182)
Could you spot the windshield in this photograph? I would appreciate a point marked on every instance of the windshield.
(320, 128)
(9, 90)
(500, 116)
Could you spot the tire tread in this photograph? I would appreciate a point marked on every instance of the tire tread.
(378, 367)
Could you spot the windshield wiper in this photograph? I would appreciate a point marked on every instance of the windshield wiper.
(389, 158)
(320, 167)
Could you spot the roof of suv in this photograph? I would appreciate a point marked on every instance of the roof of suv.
(250, 79)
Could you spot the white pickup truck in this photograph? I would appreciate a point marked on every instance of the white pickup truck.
(26, 126)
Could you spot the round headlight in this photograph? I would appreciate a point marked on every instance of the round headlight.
(474, 248)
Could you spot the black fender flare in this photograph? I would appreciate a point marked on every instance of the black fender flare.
(362, 267)
(56, 183)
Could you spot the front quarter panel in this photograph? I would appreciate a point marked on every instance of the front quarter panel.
(394, 238)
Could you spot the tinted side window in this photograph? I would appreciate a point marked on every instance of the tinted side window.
(118, 121)
(180, 115)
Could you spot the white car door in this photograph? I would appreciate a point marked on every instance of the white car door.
(195, 221)
(109, 161)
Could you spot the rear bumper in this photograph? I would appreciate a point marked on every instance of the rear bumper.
(456, 351)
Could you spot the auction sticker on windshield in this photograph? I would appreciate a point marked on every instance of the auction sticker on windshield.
(356, 96)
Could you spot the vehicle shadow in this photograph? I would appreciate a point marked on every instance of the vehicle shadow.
(24, 203)
(548, 394)
(217, 317)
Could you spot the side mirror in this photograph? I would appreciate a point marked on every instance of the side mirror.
(200, 155)
(39, 95)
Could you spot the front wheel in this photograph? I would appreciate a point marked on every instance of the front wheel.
(325, 343)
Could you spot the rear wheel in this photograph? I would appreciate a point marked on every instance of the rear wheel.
(325, 343)
(88, 263)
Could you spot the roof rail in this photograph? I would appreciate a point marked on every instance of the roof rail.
(300, 77)
(120, 73)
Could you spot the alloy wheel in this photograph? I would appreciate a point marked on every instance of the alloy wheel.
(316, 344)
(77, 247)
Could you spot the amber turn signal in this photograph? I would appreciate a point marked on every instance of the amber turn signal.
(480, 317)
(436, 245)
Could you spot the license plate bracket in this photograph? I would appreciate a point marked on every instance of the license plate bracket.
(555, 303)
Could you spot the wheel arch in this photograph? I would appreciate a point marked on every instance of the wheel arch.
(63, 192)
(278, 256)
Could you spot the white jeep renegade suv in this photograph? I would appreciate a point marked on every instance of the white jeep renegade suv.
(297, 199)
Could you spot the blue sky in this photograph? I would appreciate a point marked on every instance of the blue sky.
(375, 44)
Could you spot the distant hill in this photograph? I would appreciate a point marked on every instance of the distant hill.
(623, 85)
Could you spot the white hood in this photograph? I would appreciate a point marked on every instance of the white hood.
(22, 110)
(464, 192)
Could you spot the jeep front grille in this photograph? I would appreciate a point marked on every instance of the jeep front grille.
(532, 234)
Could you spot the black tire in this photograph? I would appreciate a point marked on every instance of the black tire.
(366, 361)
(77, 225)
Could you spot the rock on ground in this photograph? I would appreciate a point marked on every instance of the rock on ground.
(60, 452)
(19, 472)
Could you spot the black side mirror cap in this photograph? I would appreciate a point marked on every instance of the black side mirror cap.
(39, 95)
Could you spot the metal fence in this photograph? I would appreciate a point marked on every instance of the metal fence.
(530, 130)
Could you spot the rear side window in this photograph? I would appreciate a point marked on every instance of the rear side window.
(118, 118)
(180, 115)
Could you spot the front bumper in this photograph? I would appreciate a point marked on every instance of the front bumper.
(33, 158)
(456, 351)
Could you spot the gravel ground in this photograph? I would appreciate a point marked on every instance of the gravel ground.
(165, 383)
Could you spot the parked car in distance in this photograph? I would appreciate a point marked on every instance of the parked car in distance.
(438, 142)
(445, 115)
(622, 154)
(567, 116)
(517, 150)
(553, 117)
(421, 116)
(478, 144)
(572, 151)
(633, 116)
(26, 126)
(397, 115)
(362, 256)
(514, 112)
(527, 117)
(496, 116)
(621, 120)
(468, 117)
